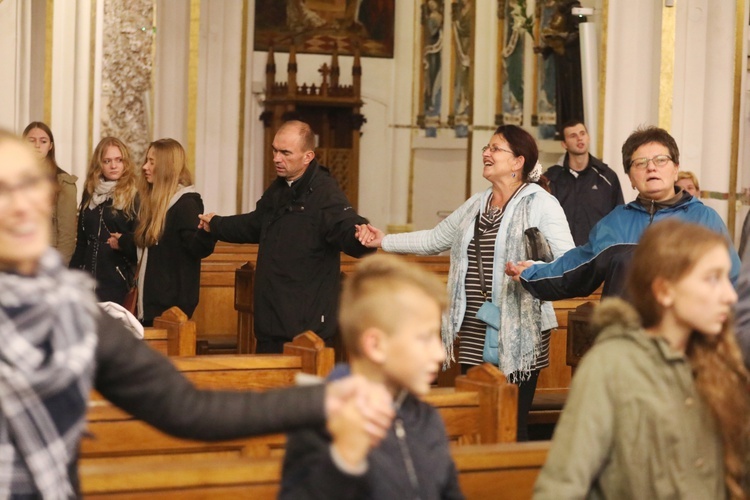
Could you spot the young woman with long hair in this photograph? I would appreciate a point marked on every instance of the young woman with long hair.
(659, 406)
(105, 246)
(171, 246)
(64, 207)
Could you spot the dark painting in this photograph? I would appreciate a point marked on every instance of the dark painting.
(317, 26)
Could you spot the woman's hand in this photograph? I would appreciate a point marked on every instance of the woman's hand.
(113, 240)
(514, 269)
(369, 235)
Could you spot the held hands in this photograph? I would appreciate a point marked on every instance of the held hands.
(113, 240)
(205, 221)
(514, 269)
(368, 235)
(359, 414)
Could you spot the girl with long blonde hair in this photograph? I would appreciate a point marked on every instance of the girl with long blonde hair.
(659, 407)
(170, 244)
(106, 221)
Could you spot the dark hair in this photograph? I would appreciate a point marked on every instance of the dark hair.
(571, 123)
(43, 126)
(522, 144)
(644, 135)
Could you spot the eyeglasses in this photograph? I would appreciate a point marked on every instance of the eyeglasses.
(658, 161)
(494, 149)
(32, 188)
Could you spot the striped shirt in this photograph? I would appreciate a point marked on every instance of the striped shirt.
(472, 332)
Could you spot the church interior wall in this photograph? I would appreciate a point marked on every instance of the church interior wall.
(406, 178)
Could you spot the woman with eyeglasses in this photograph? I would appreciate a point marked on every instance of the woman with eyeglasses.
(659, 406)
(652, 161)
(64, 209)
(106, 221)
(492, 317)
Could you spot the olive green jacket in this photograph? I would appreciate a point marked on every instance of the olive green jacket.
(64, 213)
(634, 425)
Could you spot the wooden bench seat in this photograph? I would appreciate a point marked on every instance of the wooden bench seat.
(481, 409)
(506, 470)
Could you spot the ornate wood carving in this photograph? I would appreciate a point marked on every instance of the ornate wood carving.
(331, 109)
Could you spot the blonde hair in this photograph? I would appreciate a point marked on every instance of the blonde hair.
(720, 376)
(370, 296)
(686, 174)
(124, 194)
(169, 173)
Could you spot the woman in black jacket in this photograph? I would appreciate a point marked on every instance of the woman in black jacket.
(106, 221)
(170, 245)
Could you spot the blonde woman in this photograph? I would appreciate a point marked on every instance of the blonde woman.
(659, 406)
(105, 245)
(170, 245)
(64, 206)
(688, 182)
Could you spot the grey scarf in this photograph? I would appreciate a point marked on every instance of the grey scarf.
(102, 192)
(47, 346)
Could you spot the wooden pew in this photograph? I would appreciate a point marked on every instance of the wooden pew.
(215, 316)
(506, 471)
(554, 381)
(481, 409)
(173, 334)
(115, 433)
(245, 281)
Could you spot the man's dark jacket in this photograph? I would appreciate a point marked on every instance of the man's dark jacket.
(585, 196)
(301, 230)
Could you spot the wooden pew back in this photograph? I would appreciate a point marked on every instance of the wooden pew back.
(506, 470)
(173, 334)
(481, 409)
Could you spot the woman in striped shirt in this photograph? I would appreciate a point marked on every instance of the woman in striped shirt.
(489, 229)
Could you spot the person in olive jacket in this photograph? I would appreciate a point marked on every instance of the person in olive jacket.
(302, 223)
(658, 408)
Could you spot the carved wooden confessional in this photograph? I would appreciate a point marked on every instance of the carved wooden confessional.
(331, 109)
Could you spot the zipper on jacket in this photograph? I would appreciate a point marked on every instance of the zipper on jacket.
(411, 471)
(652, 212)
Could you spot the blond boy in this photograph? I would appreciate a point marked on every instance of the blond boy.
(390, 320)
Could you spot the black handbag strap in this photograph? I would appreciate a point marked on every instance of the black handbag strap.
(478, 250)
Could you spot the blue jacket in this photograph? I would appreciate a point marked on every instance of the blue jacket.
(605, 258)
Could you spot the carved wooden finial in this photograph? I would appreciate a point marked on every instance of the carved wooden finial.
(325, 71)
(357, 70)
(335, 69)
(270, 70)
(291, 69)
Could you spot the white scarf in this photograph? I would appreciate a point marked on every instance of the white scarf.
(102, 192)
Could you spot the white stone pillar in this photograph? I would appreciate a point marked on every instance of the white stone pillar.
(632, 87)
(218, 107)
(406, 45)
(71, 56)
(171, 70)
